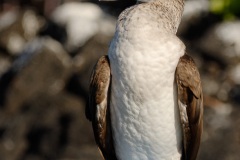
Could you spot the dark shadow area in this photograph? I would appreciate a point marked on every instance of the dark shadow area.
(5, 81)
(64, 121)
(54, 30)
(74, 86)
(34, 138)
(196, 30)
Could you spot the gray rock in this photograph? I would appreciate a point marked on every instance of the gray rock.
(194, 11)
(18, 28)
(224, 39)
(5, 64)
(82, 22)
(43, 68)
(84, 61)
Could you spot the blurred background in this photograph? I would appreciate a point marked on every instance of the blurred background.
(47, 52)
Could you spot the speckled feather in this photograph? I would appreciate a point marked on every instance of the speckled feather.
(190, 102)
(143, 98)
(98, 110)
(143, 52)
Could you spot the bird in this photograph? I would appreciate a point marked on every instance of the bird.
(145, 95)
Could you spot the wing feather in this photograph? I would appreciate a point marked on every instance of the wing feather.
(190, 102)
(98, 109)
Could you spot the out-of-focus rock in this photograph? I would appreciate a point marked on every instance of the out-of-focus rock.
(224, 39)
(222, 113)
(5, 64)
(85, 60)
(229, 35)
(56, 123)
(7, 19)
(220, 131)
(235, 74)
(43, 67)
(82, 22)
(17, 28)
(234, 94)
(194, 11)
(47, 127)
(222, 43)
(54, 30)
(13, 143)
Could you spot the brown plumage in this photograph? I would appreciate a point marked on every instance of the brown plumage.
(190, 98)
(98, 110)
(189, 90)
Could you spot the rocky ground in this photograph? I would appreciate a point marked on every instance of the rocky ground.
(47, 51)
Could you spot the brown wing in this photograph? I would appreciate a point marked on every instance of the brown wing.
(98, 110)
(190, 102)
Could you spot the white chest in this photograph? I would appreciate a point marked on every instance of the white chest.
(144, 112)
(145, 117)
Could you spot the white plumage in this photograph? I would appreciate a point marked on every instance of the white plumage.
(145, 118)
(146, 96)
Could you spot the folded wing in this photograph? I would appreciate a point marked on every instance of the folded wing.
(190, 102)
(98, 109)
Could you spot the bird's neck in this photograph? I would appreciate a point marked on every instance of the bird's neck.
(168, 10)
(144, 1)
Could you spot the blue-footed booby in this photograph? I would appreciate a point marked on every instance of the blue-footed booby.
(146, 100)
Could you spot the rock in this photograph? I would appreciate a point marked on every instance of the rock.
(229, 34)
(224, 39)
(82, 21)
(235, 74)
(194, 11)
(84, 62)
(234, 94)
(57, 123)
(54, 31)
(5, 64)
(220, 136)
(17, 28)
(7, 19)
(47, 127)
(222, 44)
(43, 68)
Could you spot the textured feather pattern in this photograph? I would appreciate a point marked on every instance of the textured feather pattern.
(98, 110)
(144, 57)
(144, 93)
(190, 101)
